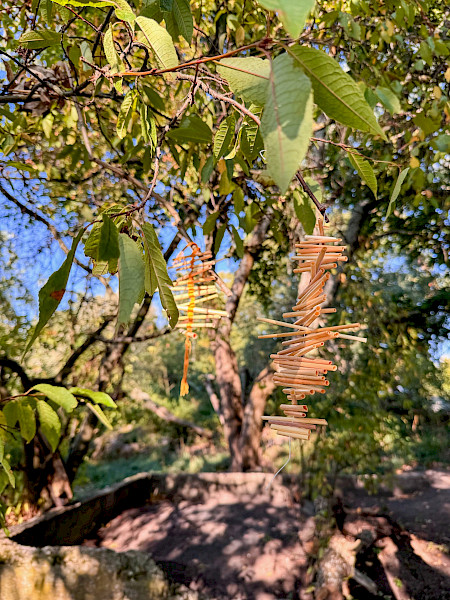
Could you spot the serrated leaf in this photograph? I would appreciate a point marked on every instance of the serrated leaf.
(388, 99)
(365, 171)
(49, 422)
(159, 40)
(131, 277)
(125, 112)
(305, 212)
(191, 129)
(238, 242)
(51, 294)
(86, 53)
(223, 137)
(396, 190)
(166, 5)
(292, 13)
(21, 411)
(181, 12)
(209, 223)
(335, 92)
(97, 397)
(286, 124)
(208, 168)
(251, 142)
(153, 98)
(99, 414)
(35, 40)
(108, 245)
(158, 273)
(58, 395)
(248, 77)
(110, 52)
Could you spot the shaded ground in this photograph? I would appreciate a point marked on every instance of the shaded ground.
(249, 548)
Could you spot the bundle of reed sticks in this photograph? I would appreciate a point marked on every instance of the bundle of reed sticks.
(194, 287)
(299, 373)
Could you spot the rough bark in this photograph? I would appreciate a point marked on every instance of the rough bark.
(250, 440)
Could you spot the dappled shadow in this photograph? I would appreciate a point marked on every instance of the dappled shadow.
(236, 549)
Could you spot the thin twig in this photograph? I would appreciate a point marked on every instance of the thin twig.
(320, 207)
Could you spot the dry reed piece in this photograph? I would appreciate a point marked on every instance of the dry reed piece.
(299, 375)
(194, 289)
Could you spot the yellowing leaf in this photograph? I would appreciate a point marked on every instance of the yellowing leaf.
(365, 171)
(59, 395)
(159, 40)
(396, 190)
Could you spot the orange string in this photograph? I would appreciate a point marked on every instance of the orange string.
(184, 387)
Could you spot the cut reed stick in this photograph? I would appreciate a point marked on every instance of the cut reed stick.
(355, 338)
(282, 324)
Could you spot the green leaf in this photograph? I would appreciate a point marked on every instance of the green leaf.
(248, 77)
(5, 464)
(388, 99)
(158, 273)
(365, 171)
(125, 113)
(182, 14)
(251, 141)
(208, 168)
(159, 40)
(166, 5)
(49, 422)
(108, 246)
(110, 52)
(396, 190)
(97, 397)
(223, 137)
(238, 242)
(99, 414)
(131, 277)
(21, 410)
(219, 237)
(305, 212)
(58, 395)
(51, 294)
(209, 223)
(286, 124)
(35, 40)
(335, 92)
(292, 13)
(191, 129)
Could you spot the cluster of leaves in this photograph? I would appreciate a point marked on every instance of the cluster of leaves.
(38, 409)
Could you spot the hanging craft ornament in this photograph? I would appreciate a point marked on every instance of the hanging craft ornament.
(195, 285)
(296, 371)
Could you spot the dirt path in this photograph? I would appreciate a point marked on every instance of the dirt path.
(236, 548)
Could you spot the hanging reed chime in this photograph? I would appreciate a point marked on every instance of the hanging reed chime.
(194, 287)
(298, 369)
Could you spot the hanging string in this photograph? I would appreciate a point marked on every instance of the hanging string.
(269, 485)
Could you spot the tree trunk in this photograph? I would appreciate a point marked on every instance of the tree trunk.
(227, 371)
(250, 440)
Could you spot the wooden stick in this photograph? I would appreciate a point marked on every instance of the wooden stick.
(322, 238)
(314, 421)
(352, 337)
(282, 324)
(300, 348)
(297, 408)
(287, 429)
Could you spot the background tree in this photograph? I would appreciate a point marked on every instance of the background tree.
(194, 119)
